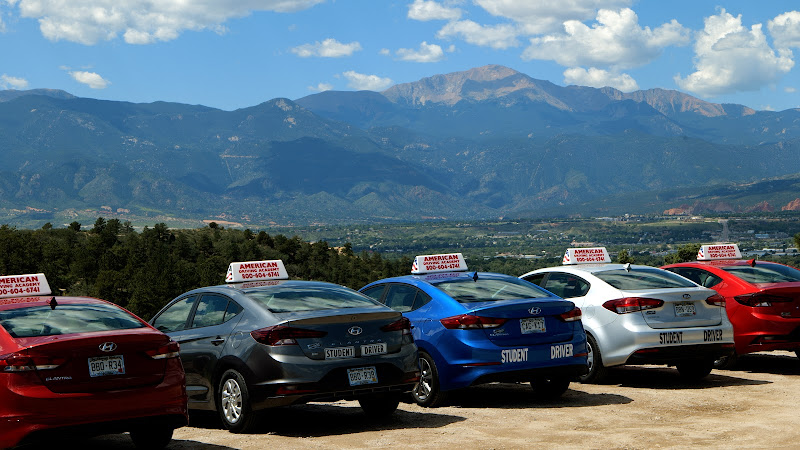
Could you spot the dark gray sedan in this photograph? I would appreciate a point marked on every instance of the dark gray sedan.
(262, 344)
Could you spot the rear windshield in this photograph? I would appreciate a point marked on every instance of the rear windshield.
(66, 319)
(286, 299)
(465, 290)
(765, 273)
(643, 278)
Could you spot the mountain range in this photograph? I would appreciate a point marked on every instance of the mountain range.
(484, 143)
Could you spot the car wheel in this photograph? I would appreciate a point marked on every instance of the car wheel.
(597, 371)
(548, 389)
(233, 403)
(426, 392)
(155, 437)
(379, 406)
(726, 362)
(695, 369)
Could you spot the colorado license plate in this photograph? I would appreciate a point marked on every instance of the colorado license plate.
(106, 365)
(532, 325)
(683, 309)
(362, 375)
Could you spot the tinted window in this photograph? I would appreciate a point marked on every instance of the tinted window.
(465, 290)
(174, 318)
(310, 298)
(375, 292)
(699, 276)
(535, 278)
(66, 319)
(404, 298)
(211, 310)
(566, 285)
(765, 273)
(643, 278)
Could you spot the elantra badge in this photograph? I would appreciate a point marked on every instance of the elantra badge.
(108, 346)
(687, 296)
(355, 331)
(535, 311)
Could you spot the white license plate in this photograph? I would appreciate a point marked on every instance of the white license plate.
(106, 365)
(373, 349)
(683, 309)
(532, 325)
(340, 352)
(362, 375)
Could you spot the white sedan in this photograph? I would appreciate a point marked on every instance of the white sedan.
(642, 315)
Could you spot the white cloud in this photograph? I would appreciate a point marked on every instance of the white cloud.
(90, 79)
(730, 58)
(426, 53)
(599, 78)
(424, 10)
(789, 90)
(498, 37)
(321, 87)
(616, 41)
(785, 29)
(545, 16)
(385, 52)
(329, 48)
(361, 82)
(9, 82)
(141, 21)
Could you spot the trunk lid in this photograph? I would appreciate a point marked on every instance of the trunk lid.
(682, 308)
(529, 321)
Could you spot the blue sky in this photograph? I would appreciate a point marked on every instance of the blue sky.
(232, 54)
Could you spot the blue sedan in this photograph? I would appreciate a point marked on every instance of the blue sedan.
(475, 327)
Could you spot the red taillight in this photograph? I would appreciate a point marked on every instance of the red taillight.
(20, 363)
(716, 300)
(571, 316)
(760, 299)
(171, 350)
(283, 335)
(632, 304)
(403, 324)
(470, 322)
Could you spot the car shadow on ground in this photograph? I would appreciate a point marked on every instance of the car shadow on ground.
(330, 419)
(663, 377)
(777, 363)
(117, 442)
(520, 395)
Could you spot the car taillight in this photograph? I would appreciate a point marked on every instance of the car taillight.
(470, 322)
(632, 304)
(760, 299)
(171, 350)
(283, 335)
(716, 300)
(571, 316)
(21, 363)
(403, 324)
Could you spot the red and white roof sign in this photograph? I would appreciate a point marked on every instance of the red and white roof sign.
(256, 271)
(24, 285)
(712, 252)
(592, 255)
(451, 262)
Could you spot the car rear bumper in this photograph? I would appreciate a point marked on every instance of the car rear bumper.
(675, 354)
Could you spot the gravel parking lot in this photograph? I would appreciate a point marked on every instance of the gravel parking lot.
(752, 406)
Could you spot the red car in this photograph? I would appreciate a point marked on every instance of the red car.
(82, 366)
(762, 298)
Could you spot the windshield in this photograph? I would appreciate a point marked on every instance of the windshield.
(765, 273)
(66, 319)
(643, 278)
(286, 299)
(465, 290)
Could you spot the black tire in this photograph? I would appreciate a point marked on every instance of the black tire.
(597, 371)
(695, 369)
(726, 362)
(233, 403)
(380, 406)
(153, 437)
(427, 393)
(548, 388)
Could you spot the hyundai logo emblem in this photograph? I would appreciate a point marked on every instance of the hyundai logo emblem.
(535, 311)
(355, 331)
(108, 346)
(687, 296)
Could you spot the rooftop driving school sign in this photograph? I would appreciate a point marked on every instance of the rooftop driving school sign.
(593, 255)
(23, 285)
(451, 262)
(256, 271)
(719, 251)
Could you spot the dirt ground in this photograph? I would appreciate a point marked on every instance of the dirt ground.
(754, 405)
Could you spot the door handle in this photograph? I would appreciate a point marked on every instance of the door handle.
(219, 340)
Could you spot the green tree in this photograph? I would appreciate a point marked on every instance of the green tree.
(686, 253)
(624, 258)
(797, 241)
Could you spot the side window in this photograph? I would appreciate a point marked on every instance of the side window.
(400, 297)
(699, 276)
(420, 300)
(174, 318)
(376, 292)
(231, 311)
(566, 285)
(211, 309)
(537, 278)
